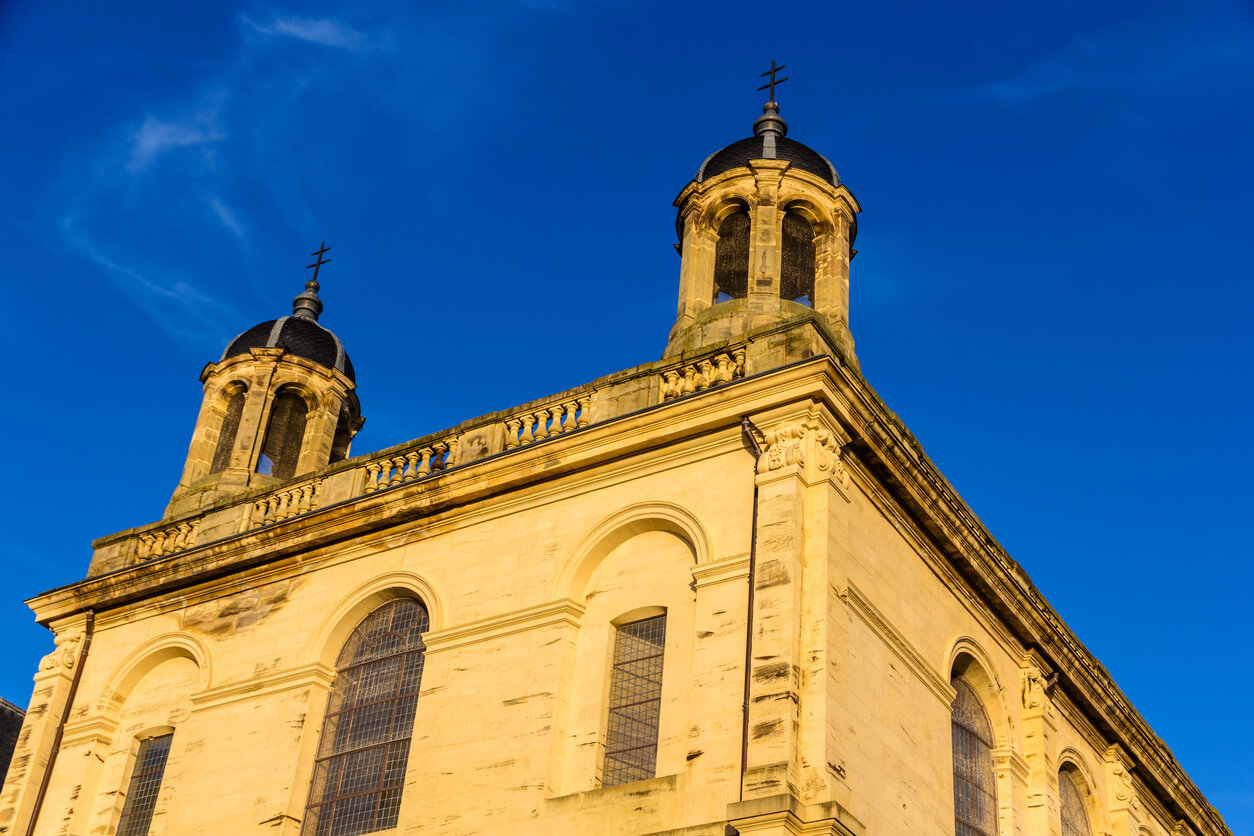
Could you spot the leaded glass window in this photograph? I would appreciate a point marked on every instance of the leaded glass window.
(635, 702)
(796, 281)
(975, 792)
(141, 795)
(226, 435)
(1075, 822)
(731, 258)
(370, 719)
(284, 435)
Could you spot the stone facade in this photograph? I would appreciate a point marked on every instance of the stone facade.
(823, 586)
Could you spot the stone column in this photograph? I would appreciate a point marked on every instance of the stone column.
(766, 231)
(39, 728)
(1040, 748)
(1124, 806)
(696, 269)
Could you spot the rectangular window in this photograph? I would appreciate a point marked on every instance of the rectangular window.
(141, 795)
(635, 702)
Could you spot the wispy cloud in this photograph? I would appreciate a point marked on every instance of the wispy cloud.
(1150, 56)
(228, 218)
(320, 31)
(156, 136)
(179, 308)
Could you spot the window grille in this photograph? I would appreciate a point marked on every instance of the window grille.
(731, 258)
(975, 792)
(141, 795)
(370, 718)
(635, 702)
(284, 435)
(226, 436)
(797, 261)
(1075, 822)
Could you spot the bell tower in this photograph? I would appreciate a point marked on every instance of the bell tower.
(280, 402)
(766, 232)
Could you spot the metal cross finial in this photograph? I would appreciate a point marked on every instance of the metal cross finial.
(317, 265)
(771, 72)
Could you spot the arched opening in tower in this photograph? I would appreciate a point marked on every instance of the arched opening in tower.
(284, 435)
(731, 258)
(796, 281)
(227, 433)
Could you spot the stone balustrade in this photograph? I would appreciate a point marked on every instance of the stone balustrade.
(168, 540)
(288, 502)
(555, 419)
(700, 375)
(410, 465)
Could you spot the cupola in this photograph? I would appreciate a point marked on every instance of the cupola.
(280, 402)
(766, 231)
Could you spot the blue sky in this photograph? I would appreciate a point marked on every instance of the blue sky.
(1052, 287)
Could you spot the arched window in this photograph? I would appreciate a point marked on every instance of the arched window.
(731, 258)
(796, 281)
(1075, 822)
(226, 435)
(975, 792)
(370, 718)
(343, 437)
(281, 449)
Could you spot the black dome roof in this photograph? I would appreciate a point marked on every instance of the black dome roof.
(753, 148)
(300, 336)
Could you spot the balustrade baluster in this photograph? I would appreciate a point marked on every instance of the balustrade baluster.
(568, 422)
(542, 424)
(425, 468)
(527, 437)
(512, 426)
(398, 470)
(585, 411)
(438, 462)
(412, 471)
(738, 356)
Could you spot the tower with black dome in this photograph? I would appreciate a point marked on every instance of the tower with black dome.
(766, 231)
(280, 402)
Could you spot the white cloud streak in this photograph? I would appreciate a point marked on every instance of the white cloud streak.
(157, 136)
(322, 31)
(228, 218)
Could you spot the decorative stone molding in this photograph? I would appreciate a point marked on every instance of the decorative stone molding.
(173, 538)
(66, 654)
(829, 456)
(555, 419)
(415, 463)
(1122, 787)
(799, 442)
(703, 374)
(290, 502)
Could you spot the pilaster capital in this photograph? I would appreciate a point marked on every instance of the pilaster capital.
(1036, 685)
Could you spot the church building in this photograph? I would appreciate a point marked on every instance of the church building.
(722, 592)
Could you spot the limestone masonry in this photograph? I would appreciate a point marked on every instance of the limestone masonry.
(723, 592)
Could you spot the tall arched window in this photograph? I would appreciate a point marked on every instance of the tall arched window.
(1075, 821)
(975, 792)
(284, 435)
(370, 719)
(731, 258)
(226, 435)
(796, 281)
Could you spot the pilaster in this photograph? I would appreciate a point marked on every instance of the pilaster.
(764, 248)
(1122, 802)
(1040, 748)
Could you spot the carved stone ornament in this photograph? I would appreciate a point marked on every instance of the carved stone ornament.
(1034, 683)
(784, 446)
(829, 456)
(66, 653)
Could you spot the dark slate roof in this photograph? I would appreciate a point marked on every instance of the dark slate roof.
(739, 153)
(300, 336)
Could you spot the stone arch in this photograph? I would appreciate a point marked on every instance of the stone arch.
(148, 656)
(967, 659)
(820, 220)
(330, 637)
(1070, 760)
(622, 525)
